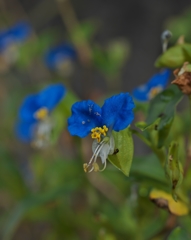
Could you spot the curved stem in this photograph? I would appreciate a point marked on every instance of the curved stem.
(71, 22)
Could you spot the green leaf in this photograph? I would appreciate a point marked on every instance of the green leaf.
(106, 236)
(110, 60)
(84, 31)
(148, 167)
(21, 209)
(66, 104)
(141, 125)
(141, 107)
(124, 143)
(164, 132)
(160, 120)
(100, 59)
(59, 124)
(178, 234)
(154, 226)
(10, 176)
(180, 25)
(174, 57)
(117, 52)
(187, 51)
(162, 106)
(60, 115)
(34, 48)
(30, 203)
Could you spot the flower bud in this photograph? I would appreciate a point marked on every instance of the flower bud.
(173, 168)
(165, 201)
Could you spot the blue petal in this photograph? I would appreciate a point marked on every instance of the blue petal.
(5, 40)
(17, 33)
(58, 54)
(85, 116)
(51, 96)
(20, 31)
(160, 79)
(29, 107)
(117, 111)
(25, 130)
(141, 93)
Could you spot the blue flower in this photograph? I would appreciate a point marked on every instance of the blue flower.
(15, 34)
(37, 106)
(20, 31)
(155, 85)
(34, 113)
(25, 130)
(59, 55)
(87, 117)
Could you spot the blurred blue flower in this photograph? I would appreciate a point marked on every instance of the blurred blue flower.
(15, 34)
(25, 130)
(61, 58)
(35, 124)
(20, 31)
(155, 85)
(87, 117)
(37, 106)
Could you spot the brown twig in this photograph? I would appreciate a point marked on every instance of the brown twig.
(170, 224)
(71, 22)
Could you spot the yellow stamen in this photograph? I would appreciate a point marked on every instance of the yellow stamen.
(85, 166)
(154, 91)
(98, 132)
(41, 113)
(105, 128)
(96, 167)
(92, 163)
(94, 135)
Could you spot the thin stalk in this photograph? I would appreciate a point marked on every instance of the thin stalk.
(71, 22)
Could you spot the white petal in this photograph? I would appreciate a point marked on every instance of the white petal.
(112, 145)
(106, 150)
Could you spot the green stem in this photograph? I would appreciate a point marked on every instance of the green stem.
(188, 146)
(161, 153)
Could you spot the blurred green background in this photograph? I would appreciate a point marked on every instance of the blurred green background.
(45, 194)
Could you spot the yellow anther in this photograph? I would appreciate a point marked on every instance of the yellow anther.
(97, 136)
(94, 135)
(105, 128)
(95, 167)
(98, 131)
(41, 113)
(154, 91)
(85, 167)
